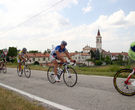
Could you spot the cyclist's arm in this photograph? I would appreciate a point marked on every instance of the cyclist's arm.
(27, 56)
(21, 57)
(69, 57)
(59, 57)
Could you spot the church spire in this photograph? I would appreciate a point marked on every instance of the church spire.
(98, 34)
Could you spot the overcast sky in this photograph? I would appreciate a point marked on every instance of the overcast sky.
(39, 24)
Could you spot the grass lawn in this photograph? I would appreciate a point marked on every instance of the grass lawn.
(108, 70)
(10, 100)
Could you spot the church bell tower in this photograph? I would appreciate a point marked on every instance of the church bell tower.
(99, 41)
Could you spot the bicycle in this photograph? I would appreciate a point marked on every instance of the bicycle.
(69, 74)
(24, 69)
(3, 66)
(123, 81)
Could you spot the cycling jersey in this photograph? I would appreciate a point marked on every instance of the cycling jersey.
(57, 48)
(2, 57)
(20, 54)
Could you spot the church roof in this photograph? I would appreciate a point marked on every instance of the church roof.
(98, 34)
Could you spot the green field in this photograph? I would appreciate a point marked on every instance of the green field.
(12, 101)
(108, 70)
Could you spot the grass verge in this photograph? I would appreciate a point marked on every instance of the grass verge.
(9, 100)
(108, 70)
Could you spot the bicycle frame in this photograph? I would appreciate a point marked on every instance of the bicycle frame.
(65, 68)
(129, 76)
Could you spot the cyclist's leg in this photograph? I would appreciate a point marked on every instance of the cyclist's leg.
(55, 64)
(61, 62)
(19, 63)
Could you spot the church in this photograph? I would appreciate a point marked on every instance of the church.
(87, 48)
(114, 56)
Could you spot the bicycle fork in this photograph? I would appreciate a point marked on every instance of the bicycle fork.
(129, 76)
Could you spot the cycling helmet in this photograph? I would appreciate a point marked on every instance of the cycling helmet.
(64, 43)
(24, 50)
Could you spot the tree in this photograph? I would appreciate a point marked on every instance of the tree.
(92, 54)
(47, 51)
(97, 56)
(12, 52)
(108, 60)
(33, 51)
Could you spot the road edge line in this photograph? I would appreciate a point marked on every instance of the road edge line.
(36, 97)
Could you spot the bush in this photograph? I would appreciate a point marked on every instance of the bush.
(36, 63)
(98, 62)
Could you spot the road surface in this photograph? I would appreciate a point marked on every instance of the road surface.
(90, 93)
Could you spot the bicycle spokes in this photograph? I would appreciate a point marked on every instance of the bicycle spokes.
(123, 82)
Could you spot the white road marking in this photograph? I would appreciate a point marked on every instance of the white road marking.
(37, 98)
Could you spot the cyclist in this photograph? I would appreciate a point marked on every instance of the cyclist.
(2, 59)
(56, 55)
(21, 57)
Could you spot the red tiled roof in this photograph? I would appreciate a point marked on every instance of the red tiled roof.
(38, 55)
(123, 53)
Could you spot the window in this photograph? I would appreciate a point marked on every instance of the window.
(43, 59)
(33, 59)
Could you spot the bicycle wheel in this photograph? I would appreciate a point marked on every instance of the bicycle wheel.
(119, 82)
(50, 75)
(20, 75)
(70, 77)
(27, 71)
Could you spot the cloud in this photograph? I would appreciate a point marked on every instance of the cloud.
(88, 8)
(41, 32)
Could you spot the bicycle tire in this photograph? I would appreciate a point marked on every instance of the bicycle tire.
(65, 77)
(20, 75)
(50, 75)
(122, 78)
(27, 71)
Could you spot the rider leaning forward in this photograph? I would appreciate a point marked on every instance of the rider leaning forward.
(56, 56)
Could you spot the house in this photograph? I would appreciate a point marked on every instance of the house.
(115, 56)
(44, 58)
(39, 57)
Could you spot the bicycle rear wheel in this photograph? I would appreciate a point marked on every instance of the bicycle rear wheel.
(50, 75)
(27, 71)
(20, 75)
(70, 77)
(119, 82)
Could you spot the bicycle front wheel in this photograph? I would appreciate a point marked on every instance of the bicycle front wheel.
(50, 75)
(119, 82)
(70, 77)
(27, 71)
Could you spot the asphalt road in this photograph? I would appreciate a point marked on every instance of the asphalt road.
(90, 93)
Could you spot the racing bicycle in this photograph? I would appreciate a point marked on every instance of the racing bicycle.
(24, 69)
(124, 81)
(68, 72)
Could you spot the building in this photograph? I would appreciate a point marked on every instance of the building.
(39, 57)
(87, 48)
(99, 42)
(81, 58)
(114, 56)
